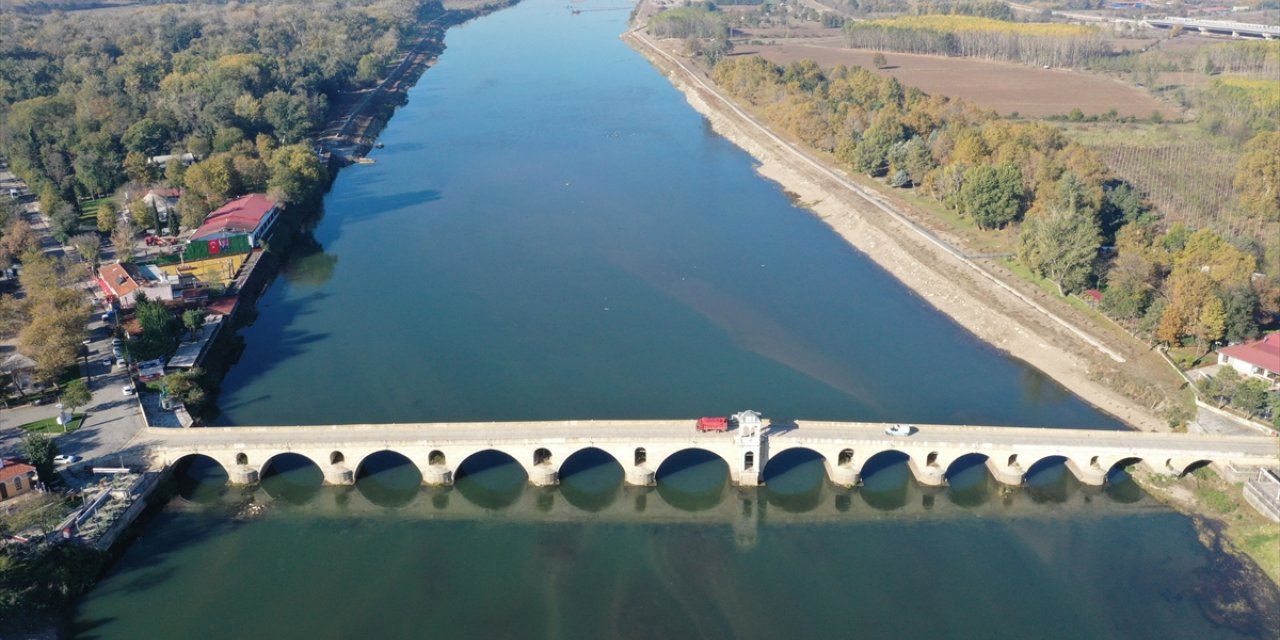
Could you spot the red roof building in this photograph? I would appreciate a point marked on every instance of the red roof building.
(1260, 358)
(250, 215)
(16, 478)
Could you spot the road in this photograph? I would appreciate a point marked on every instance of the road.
(585, 431)
(113, 421)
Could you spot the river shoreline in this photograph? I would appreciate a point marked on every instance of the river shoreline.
(953, 289)
(966, 295)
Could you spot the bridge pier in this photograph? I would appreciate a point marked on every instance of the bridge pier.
(543, 476)
(241, 475)
(929, 475)
(639, 476)
(339, 475)
(1090, 474)
(1010, 474)
(435, 475)
(842, 475)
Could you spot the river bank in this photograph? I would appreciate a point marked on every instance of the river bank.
(1088, 359)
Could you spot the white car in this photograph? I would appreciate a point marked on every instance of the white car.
(127, 389)
(65, 459)
(900, 430)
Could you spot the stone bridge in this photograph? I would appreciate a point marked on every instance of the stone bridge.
(641, 447)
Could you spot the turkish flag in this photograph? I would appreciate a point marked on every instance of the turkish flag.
(214, 247)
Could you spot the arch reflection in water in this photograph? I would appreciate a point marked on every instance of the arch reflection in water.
(795, 480)
(491, 479)
(292, 478)
(693, 479)
(591, 479)
(886, 480)
(200, 479)
(1120, 486)
(1049, 480)
(968, 482)
(388, 479)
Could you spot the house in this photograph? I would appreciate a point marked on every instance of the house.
(16, 478)
(1260, 358)
(121, 282)
(250, 215)
(164, 201)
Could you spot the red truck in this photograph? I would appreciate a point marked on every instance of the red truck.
(713, 424)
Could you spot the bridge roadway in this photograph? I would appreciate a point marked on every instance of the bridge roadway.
(641, 447)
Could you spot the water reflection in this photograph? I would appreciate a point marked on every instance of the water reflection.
(491, 479)
(591, 479)
(1049, 480)
(887, 480)
(200, 479)
(693, 480)
(969, 483)
(388, 479)
(308, 265)
(795, 480)
(292, 478)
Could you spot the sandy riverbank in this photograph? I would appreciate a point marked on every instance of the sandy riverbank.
(1085, 358)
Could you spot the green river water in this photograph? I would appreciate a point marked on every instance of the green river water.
(551, 232)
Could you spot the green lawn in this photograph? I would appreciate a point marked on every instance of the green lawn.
(49, 426)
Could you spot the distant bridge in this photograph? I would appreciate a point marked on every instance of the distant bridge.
(1218, 27)
(641, 447)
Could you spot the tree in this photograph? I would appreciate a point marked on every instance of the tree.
(122, 240)
(75, 395)
(19, 239)
(192, 210)
(158, 328)
(39, 450)
(138, 168)
(992, 194)
(13, 316)
(193, 320)
(1250, 396)
(1257, 180)
(1211, 323)
(185, 386)
(144, 215)
(106, 216)
(296, 174)
(64, 222)
(879, 60)
(1060, 244)
(89, 246)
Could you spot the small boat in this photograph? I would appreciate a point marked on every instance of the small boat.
(379, 145)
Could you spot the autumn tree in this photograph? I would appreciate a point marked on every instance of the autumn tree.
(296, 174)
(89, 246)
(1060, 244)
(122, 240)
(1257, 180)
(106, 216)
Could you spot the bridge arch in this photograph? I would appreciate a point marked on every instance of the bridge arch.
(845, 458)
(437, 458)
(542, 456)
(291, 476)
(373, 458)
(788, 460)
(491, 478)
(641, 456)
(197, 476)
(1122, 464)
(965, 463)
(242, 458)
(336, 457)
(387, 478)
(693, 479)
(591, 478)
(282, 461)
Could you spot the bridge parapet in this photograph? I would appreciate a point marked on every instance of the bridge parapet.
(641, 447)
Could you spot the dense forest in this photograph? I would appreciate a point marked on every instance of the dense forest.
(87, 97)
(1078, 225)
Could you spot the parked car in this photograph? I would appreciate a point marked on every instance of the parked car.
(900, 430)
(128, 389)
(66, 459)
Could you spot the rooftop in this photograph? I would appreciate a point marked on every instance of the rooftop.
(241, 215)
(1263, 353)
(13, 468)
(116, 280)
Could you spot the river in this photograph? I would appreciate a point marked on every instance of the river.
(552, 232)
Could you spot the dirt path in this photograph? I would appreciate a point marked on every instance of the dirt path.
(1089, 359)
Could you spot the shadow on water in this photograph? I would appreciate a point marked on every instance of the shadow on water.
(886, 481)
(1049, 481)
(795, 480)
(591, 479)
(693, 480)
(388, 479)
(1121, 488)
(491, 479)
(968, 483)
(292, 478)
(200, 479)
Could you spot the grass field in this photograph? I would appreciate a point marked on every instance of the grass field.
(50, 426)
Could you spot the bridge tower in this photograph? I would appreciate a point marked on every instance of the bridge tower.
(749, 449)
